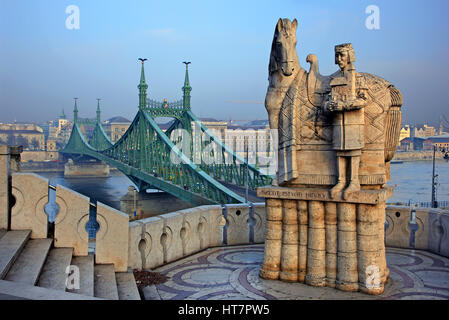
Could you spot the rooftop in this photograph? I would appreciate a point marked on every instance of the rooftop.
(118, 119)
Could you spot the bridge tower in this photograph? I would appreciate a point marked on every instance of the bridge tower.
(142, 88)
(75, 112)
(98, 111)
(186, 88)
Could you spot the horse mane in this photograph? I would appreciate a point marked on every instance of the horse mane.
(273, 65)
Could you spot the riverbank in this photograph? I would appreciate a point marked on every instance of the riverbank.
(416, 155)
(47, 166)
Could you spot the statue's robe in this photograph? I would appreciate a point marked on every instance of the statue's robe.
(306, 155)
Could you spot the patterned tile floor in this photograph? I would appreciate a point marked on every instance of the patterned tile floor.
(232, 273)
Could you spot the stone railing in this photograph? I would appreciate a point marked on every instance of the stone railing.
(165, 238)
(418, 228)
(30, 194)
(155, 241)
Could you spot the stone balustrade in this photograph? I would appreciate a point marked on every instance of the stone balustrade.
(163, 239)
(30, 193)
(418, 228)
(155, 241)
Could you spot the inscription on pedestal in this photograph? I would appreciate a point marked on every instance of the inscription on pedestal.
(362, 196)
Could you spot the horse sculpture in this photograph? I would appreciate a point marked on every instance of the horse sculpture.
(296, 105)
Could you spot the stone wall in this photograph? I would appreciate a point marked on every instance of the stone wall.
(418, 228)
(4, 186)
(86, 169)
(416, 155)
(166, 238)
(39, 156)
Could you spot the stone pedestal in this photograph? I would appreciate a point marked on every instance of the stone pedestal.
(321, 241)
(86, 169)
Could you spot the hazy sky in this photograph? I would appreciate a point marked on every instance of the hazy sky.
(43, 65)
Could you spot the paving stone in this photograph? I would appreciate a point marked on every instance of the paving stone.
(11, 245)
(53, 274)
(28, 266)
(414, 274)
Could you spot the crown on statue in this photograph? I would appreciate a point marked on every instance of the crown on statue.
(348, 48)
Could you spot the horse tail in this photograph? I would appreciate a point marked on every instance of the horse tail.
(393, 123)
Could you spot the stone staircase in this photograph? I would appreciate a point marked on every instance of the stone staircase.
(34, 269)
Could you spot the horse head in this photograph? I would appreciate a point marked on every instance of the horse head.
(283, 49)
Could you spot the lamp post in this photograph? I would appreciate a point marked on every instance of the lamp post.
(434, 203)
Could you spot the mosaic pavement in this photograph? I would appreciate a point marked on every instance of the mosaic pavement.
(232, 273)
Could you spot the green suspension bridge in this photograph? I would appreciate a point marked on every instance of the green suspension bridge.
(150, 159)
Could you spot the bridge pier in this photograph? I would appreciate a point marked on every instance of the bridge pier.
(150, 204)
(86, 169)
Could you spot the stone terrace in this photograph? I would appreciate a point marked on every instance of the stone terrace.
(232, 273)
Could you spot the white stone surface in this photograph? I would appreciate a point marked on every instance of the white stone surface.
(112, 237)
(126, 286)
(105, 285)
(11, 244)
(238, 224)
(25, 291)
(28, 213)
(28, 266)
(4, 173)
(70, 223)
(53, 274)
(260, 217)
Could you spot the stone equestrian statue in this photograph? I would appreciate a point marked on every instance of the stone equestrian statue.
(339, 130)
(336, 136)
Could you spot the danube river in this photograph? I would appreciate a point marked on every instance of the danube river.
(412, 182)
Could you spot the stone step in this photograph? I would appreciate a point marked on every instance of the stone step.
(105, 283)
(11, 244)
(28, 265)
(53, 275)
(2, 233)
(86, 272)
(18, 290)
(126, 286)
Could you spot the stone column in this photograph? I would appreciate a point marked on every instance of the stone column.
(369, 249)
(316, 247)
(384, 271)
(4, 186)
(303, 233)
(289, 258)
(330, 209)
(347, 277)
(273, 243)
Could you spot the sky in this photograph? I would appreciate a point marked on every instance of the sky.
(44, 65)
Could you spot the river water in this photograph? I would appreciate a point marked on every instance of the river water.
(412, 181)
